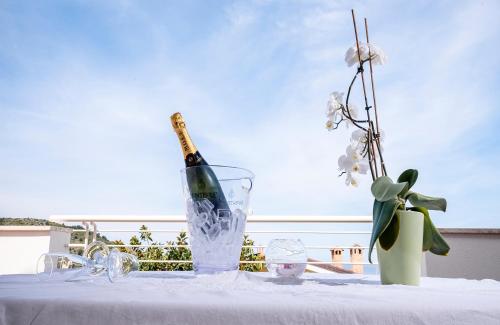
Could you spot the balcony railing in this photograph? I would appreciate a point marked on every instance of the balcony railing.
(471, 254)
(92, 225)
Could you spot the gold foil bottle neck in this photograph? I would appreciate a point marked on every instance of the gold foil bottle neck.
(180, 129)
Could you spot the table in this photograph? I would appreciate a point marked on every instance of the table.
(247, 298)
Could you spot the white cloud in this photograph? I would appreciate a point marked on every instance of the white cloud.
(241, 15)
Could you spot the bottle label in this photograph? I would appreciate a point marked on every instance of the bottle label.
(180, 129)
(205, 195)
(186, 143)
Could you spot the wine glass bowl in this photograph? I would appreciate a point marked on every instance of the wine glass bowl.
(61, 266)
(119, 265)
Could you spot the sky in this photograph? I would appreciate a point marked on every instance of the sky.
(87, 89)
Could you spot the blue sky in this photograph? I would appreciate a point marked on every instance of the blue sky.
(87, 88)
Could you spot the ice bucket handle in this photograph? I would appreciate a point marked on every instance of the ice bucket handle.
(242, 178)
(251, 184)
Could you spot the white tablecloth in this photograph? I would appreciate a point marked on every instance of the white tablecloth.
(247, 298)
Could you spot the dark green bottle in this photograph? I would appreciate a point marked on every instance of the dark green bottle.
(201, 179)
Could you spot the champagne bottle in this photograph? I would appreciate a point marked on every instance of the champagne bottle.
(201, 179)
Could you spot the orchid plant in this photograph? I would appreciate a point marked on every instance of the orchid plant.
(364, 153)
(365, 149)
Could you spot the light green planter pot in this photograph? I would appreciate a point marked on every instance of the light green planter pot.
(402, 263)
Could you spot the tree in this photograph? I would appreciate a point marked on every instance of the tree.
(248, 254)
(128, 250)
(145, 234)
(154, 253)
(176, 250)
(137, 251)
(179, 254)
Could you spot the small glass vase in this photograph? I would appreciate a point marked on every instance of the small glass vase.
(286, 258)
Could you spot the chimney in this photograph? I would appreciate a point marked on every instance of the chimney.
(337, 256)
(356, 257)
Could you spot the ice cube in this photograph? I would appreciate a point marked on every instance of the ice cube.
(203, 217)
(213, 232)
(206, 228)
(205, 206)
(212, 218)
(238, 220)
(225, 219)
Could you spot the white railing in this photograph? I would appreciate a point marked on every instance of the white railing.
(182, 218)
(92, 221)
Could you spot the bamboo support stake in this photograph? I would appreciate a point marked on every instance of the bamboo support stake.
(372, 159)
(371, 77)
(377, 136)
(359, 57)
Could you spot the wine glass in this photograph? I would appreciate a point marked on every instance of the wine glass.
(96, 259)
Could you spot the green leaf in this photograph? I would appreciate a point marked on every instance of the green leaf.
(383, 213)
(383, 188)
(410, 176)
(428, 202)
(390, 234)
(439, 245)
(427, 240)
(433, 240)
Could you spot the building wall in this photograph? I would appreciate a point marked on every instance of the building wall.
(21, 246)
(474, 254)
(59, 240)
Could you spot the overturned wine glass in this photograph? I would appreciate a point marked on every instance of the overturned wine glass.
(96, 260)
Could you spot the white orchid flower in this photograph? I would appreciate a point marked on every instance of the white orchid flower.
(352, 162)
(356, 167)
(330, 125)
(338, 96)
(351, 56)
(334, 109)
(361, 168)
(334, 103)
(350, 180)
(352, 153)
(346, 163)
(358, 136)
(378, 56)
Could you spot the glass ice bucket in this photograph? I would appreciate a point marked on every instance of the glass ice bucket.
(215, 229)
